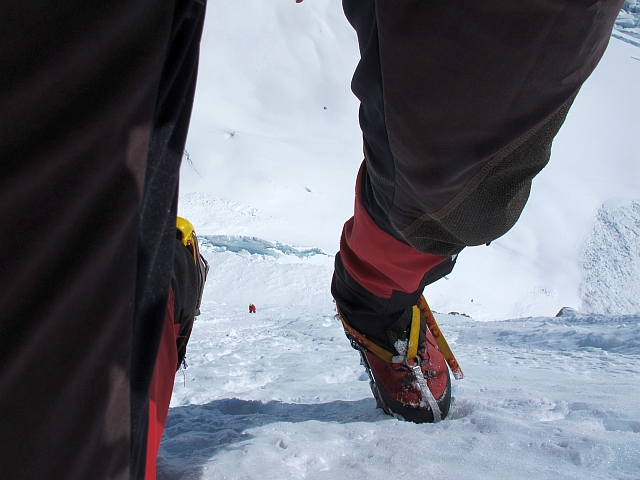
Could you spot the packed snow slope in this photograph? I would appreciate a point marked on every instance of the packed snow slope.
(280, 394)
(275, 137)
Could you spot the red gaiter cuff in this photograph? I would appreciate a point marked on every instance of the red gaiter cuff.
(161, 388)
(376, 260)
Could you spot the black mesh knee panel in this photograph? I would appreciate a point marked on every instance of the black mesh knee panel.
(494, 206)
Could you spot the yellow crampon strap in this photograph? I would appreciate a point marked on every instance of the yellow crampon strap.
(439, 338)
(362, 340)
(422, 309)
(414, 334)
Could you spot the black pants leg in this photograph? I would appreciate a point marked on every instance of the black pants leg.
(459, 106)
(95, 101)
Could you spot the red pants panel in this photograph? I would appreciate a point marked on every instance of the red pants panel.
(376, 260)
(161, 388)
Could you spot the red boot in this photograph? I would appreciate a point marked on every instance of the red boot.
(411, 379)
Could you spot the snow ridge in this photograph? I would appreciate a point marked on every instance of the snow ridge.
(254, 245)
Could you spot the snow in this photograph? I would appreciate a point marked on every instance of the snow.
(610, 260)
(268, 184)
(280, 393)
(268, 70)
(627, 26)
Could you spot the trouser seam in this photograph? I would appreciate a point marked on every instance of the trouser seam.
(475, 182)
(378, 175)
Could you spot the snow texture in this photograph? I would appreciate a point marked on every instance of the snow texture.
(627, 26)
(610, 261)
(253, 245)
(281, 394)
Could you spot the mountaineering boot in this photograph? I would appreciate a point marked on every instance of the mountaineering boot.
(189, 276)
(187, 235)
(408, 374)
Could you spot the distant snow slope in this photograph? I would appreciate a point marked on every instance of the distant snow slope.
(275, 125)
(262, 145)
(610, 261)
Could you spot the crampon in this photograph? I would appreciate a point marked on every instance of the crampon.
(413, 382)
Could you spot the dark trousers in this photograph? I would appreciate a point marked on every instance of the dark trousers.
(460, 105)
(95, 101)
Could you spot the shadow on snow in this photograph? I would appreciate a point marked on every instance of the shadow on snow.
(194, 433)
